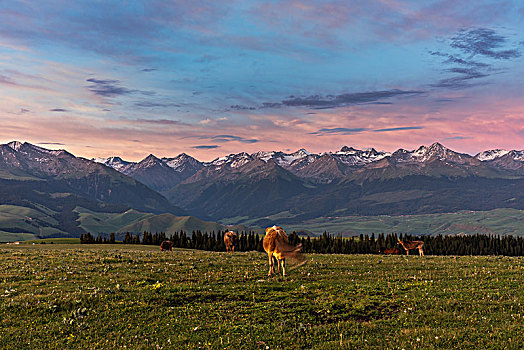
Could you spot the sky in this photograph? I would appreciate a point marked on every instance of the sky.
(210, 78)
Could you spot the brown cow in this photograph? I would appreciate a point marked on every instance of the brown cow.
(166, 245)
(276, 244)
(407, 245)
(389, 251)
(230, 239)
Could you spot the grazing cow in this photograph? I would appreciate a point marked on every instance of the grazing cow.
(276, 244)
(389, 251)
(166, 245)
(407, 245)
(230, 239)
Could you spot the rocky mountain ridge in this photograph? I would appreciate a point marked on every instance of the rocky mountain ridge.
(317, 167)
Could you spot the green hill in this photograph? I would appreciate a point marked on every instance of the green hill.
(170, 223)
(497, 221)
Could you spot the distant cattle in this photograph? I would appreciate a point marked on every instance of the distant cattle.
(230, 240)
(389, 251)
(166, 245)
(276, 244)
(407, 245)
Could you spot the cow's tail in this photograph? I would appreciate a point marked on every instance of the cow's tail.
(290, 251)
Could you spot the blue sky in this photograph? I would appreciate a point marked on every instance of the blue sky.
(130, 78)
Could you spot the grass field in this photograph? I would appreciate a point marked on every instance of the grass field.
(53, 241)
(136, 297)
(504, 221)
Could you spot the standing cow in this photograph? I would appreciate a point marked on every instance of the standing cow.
(230, 239)
(276, 244)
(166, 245)
(407, 245)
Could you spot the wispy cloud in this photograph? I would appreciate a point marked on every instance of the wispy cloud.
(339, 131)
(400, 128)
(229, 138)
(58, 110)
(112, 88)
(51, 143)
(481, 43)
(151, 104)
(108, 87)
(457, 138)
(352, 131)
(319, 101)
(463, 79)
(4, 79)
(451, 59)
(242, 108)
(206, 147)
(336, 101)
(209, 121)
(157, 121)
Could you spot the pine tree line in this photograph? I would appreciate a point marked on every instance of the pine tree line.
(330, 244)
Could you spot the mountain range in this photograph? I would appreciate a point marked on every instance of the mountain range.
(262, 187)
(163, 174)
(53, 189)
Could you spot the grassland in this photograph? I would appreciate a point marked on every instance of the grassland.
(502, 221)
(118, 296)
(24, 223)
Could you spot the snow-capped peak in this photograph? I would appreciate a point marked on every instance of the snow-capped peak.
(181, 162)
(234, 160)
(116, 160)
(491, 154)
(116, 163)
(264, 156)
(301, 153)
(352, 156)
(423, 153)
(518, 155)
(150, 160)
(15, 145)
(347, 150)
(99, 160)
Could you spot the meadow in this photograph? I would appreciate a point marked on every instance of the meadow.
(75, 296)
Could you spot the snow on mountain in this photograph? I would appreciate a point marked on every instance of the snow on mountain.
(296, 159)
(150, 161)
(15, 145)
(265, 156)
(499, 153)
(518, 155)
(352, 157)
(181, 162)
(233, 160)
(116, 163)
(424, 154)
(491, 154)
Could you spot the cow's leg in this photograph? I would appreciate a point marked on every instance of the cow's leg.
(407, 251)
(275, 260)
(283, 262)
(421, 252)
(270, 264)
(232, 249)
